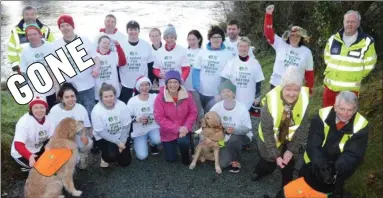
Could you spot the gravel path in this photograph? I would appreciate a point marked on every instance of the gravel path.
(155, 177)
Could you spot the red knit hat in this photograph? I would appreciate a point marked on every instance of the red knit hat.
(38, 99)
(65, 19)
(32, 27)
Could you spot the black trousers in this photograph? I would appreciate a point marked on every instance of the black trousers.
(110, 152)
(264, 168)
(126, 94)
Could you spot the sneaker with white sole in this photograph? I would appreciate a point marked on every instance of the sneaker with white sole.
(104, 164)
(235, 166)
(154, 150)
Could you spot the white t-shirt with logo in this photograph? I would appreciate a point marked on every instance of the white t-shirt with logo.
(192, 55)
(31, 55)
(244, 75)
(211, 64)
(235, 118)
(108, 73)
(111, 120)
(286, 56)
(31, 133)
(57, 113)
(233, 47)
(138, 108)
(173, 60)
(138, 58)
(83, 80)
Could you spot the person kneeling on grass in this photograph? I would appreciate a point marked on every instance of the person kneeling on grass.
(237, 125)
(33, 131)
(68, 107)
(111, 124)
(141, 107)
(176, 113)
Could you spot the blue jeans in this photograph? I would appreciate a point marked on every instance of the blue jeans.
(170, 149)
(141, 143)
(86, 98)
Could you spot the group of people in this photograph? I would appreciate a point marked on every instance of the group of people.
(152, 94)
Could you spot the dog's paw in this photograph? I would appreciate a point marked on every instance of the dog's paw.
(191, 166)
(77, 193)
(218, 170)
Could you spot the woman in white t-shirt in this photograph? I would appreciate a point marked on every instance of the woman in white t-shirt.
(68, 107)
(237, 126)
(246, 74)
(109, 61)
(32, 132)
(171, 57)
(290, 51)
(111, 124)
(141, 108)
(195, 43)
(155, 38)
(208, 66)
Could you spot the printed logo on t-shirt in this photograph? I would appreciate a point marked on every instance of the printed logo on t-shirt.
(228, 122)
(114, 124)
(134, 62)
(292, 59)
(146, 111)
(43, 136)
(210, 67)
(191, 58)
(243, 77)
(106, 70)
(168, 64)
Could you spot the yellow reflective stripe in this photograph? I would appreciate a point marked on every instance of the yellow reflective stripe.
(349, 59)
(11, 45)
(366, 45)
(360, 123)
(10, 53)
(341, 84)
(349, 68)
(274, 106)
(305, 99)
(16, 37)
(16, 63)
(306, 158)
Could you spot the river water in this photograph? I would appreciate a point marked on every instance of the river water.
(89, 17)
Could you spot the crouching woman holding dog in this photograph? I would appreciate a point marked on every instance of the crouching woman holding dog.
(111, 124)
(237, 126)
(283, 126)
(176, 113)
(33, 131)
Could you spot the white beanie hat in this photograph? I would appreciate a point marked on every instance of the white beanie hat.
(170, 30)
(140, 80)
(291, 76)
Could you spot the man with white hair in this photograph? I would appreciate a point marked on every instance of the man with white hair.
(18, 39)
(349, 56)
(283, 126)
(338, 134)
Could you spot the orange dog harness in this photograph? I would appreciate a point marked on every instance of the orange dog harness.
(300, 189)
(52, 160)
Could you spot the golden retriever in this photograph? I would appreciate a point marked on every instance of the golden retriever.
(38, 185)
(208, 149)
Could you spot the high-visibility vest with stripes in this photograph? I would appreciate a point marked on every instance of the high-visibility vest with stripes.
(347, 66)
(276, 107)
(359, 123)
(18, 40)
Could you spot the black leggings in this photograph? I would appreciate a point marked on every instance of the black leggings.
(110, 152)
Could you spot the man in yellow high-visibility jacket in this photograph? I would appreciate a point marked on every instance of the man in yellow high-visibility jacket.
(18, 38)
(349, 56)
(337, 134)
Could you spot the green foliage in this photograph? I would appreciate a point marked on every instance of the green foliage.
(322, 19)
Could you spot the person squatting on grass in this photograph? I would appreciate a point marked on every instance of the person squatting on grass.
(32, 133)
(283, 126)
(68, 107)
(141, 108)
(176, 113)
(237, 126)
(111, 124)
